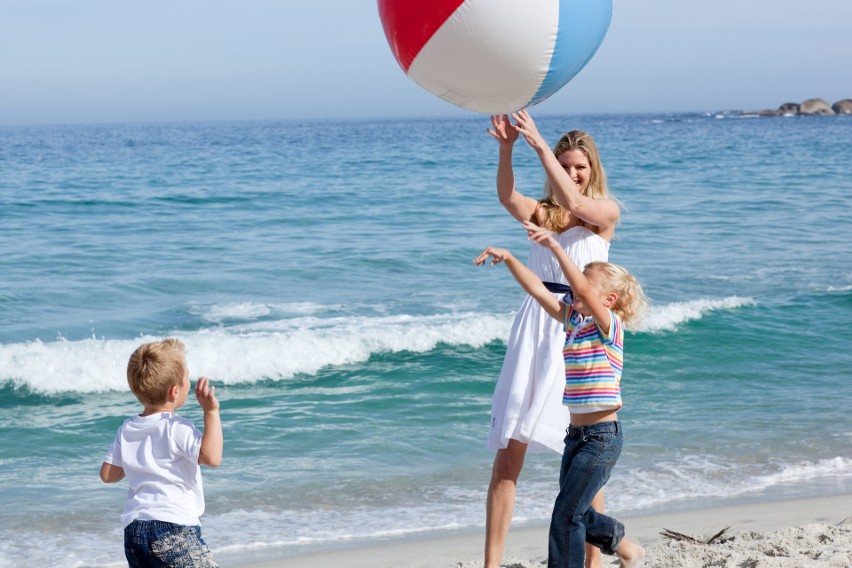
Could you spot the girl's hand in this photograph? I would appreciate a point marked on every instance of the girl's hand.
(526, 126)
(503, 130)
(540, 235)
(206, 394)
(497, 255)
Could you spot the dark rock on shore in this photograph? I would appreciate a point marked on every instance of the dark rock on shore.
(810, 107)
(789, 108)
(815, 106)
(842, 107)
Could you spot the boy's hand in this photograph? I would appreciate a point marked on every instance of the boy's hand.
(206, 394)
(540, 235)
(497, 255)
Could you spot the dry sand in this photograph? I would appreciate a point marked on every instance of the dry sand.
(794, 533)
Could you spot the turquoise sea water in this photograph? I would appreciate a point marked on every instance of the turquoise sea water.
(320, 274)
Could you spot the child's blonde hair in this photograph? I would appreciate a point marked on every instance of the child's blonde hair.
(154, 368)
(631, 303)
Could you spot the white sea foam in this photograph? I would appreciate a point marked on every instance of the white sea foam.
(248, 353)
(234, 310)
(282, 347)
(804, 471)
(670, 316)
(708, 477)
(248, 311)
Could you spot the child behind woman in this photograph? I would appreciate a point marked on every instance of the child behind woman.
(605, 297)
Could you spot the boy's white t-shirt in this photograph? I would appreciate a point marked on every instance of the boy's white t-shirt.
(159, 454)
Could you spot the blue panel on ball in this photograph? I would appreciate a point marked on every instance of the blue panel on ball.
(582, 27)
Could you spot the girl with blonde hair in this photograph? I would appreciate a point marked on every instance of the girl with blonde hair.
(605, 299)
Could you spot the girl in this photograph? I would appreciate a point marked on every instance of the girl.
(605, 297)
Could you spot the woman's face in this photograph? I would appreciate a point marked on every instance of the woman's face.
(575, 163)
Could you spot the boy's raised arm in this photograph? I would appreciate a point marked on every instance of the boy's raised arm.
(212, 440)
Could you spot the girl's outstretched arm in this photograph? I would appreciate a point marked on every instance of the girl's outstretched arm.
(525, 277)
(581, 288)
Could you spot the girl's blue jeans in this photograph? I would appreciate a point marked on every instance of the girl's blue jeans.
(590, 454)
(158, 544)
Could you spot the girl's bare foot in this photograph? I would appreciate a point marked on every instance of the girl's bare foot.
(630, 554)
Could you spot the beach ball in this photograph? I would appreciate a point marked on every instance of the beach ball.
(494, 56)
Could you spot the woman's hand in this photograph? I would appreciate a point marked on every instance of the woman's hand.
(497, 255)
(526, 126)
(503, 130)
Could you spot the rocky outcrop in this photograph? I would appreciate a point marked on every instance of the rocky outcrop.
(815, 107)
(789, 108)
(842, 107)
(810, 107)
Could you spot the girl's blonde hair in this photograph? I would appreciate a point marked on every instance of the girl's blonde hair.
(631, 303)
(154, 368)
(554, 214)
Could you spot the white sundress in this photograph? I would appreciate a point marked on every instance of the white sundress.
(527, 404)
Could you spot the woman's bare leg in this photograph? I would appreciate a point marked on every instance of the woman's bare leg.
(501, 499)
(594, 558)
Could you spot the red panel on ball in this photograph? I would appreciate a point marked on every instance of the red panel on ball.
(409, 24)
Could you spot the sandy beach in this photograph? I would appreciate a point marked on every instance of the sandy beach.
(792, 533)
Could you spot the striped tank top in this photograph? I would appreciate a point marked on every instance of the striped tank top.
(593, 364)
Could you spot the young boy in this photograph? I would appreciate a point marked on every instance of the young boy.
(160, 453)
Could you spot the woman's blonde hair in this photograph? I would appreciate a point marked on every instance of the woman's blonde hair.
(554, 214)
(631, 303)
(154, 368)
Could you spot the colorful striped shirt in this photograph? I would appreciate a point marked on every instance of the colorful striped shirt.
(593, 363)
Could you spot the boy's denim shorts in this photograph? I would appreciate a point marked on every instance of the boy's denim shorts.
(158, 544)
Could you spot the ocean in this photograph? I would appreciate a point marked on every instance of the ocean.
(320, 274)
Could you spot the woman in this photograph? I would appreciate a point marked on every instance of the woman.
(527, 410)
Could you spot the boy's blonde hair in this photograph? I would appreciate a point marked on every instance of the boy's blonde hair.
(631, 303)
(154, 368)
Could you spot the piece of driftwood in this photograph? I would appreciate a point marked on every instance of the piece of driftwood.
(674, 535)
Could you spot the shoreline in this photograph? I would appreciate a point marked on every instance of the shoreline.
(526, 545)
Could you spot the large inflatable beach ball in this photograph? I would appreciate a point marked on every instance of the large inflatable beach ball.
(494, 56)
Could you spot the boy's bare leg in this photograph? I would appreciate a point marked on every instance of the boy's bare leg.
(501, 499)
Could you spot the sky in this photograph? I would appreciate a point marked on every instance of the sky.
(96, 61)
